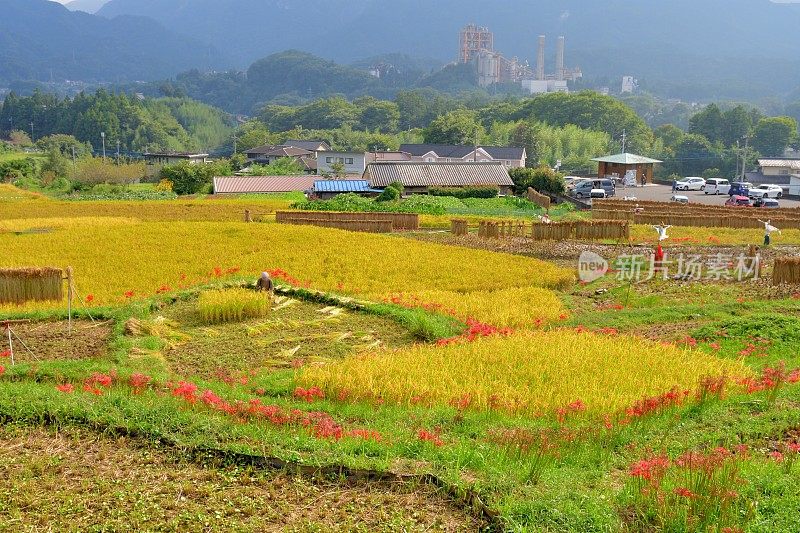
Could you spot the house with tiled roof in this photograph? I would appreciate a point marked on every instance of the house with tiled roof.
(508, 156)
(420, 176)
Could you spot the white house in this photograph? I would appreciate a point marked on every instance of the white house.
(508, 156)
(354, 162)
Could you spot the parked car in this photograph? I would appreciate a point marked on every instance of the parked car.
(717, 186)
(681, 199)
(691, 184)
(769, 203)
(599, 193)
(766, 191)
(738, 201)
(584, 188)
(740, 188)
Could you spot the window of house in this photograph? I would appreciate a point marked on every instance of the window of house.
(784, 172)
(329, 160)
(349, 160)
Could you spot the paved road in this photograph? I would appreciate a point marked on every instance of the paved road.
(663, 193)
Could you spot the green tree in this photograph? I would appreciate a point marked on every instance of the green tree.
(773, 135)
(20, 139)
(187, 178)
(708, 123)
(670, 135)
(66, 145)
(377, 115)
(91, 171)
(693, 155)
(460, 127)
(543, 179)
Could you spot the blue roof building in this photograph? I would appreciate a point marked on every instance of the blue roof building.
(329, 188)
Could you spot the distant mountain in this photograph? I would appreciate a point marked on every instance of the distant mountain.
(689, 48)
(43, 40)
(87, 6)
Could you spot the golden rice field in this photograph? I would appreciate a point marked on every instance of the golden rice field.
(528, 373)
(684, 235)
(115, 258)
(516, 308)
(206, 209)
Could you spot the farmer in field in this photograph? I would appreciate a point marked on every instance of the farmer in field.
(265, 283)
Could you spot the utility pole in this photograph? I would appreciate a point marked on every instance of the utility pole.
(103, 136)
(737, 160)
(117, 151)
(73, 156)
(32, 131)
(744, 157)
(624, 140)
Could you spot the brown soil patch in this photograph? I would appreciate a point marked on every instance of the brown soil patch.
(75, 480)
(49, 341)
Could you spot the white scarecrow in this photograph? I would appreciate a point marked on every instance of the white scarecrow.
(768, 229)
(662, 232)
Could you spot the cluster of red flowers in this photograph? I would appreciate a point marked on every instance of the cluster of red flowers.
(411, 301)
(434, 437)
(651, 469)
(655, 404)
(575, 407)
(611, 307)
(138, 382)
(283, 275)
(309, 395)
(97, 382)
(757, 348)
(459, 403)
(228, 378)
(218, 272)
(2, 370)
(5, 354)
(771, 379)
(688, 341)
(475, 330)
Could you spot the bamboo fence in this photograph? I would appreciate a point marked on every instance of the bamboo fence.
(557, 231)
(786, 271)
(20, 285)
(739, 219)
(400, 221)
(364, 226)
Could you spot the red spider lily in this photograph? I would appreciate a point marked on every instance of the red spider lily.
(365, 434)
(66, 388)
(563, 316)
(310, 394)
(688, 341)
(129, 294)
(103, 380)
(684, 492)
(649, 469)
(89, 298)
(430, 436)
(776, 456)
(183, 277)
(233, 270)
(609, 331)
(217, 272)
(715, 346)
(138, 382)
(186, 391)
(164, 289)
(5, 354)
(2, 370)
(460, 403)
(793, 447)
(581, 329)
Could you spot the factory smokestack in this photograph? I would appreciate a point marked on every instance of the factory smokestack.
(540, 59)
(560, 59)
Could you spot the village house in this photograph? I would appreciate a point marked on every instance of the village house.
(155, 161)
(262, 184)
(419, 177)
(508, 156)
(617, 166)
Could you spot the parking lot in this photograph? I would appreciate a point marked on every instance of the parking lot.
(663, 193)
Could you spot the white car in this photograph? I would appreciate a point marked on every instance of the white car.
(717, 186)
(679, 198)
(691, 184)
(766, 191)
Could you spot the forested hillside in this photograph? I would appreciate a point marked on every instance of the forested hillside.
(152, 124)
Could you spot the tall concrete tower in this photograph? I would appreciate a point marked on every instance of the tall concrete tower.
(540, 59)
(560, 59)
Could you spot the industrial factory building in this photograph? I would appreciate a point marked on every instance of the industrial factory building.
(477, 46)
